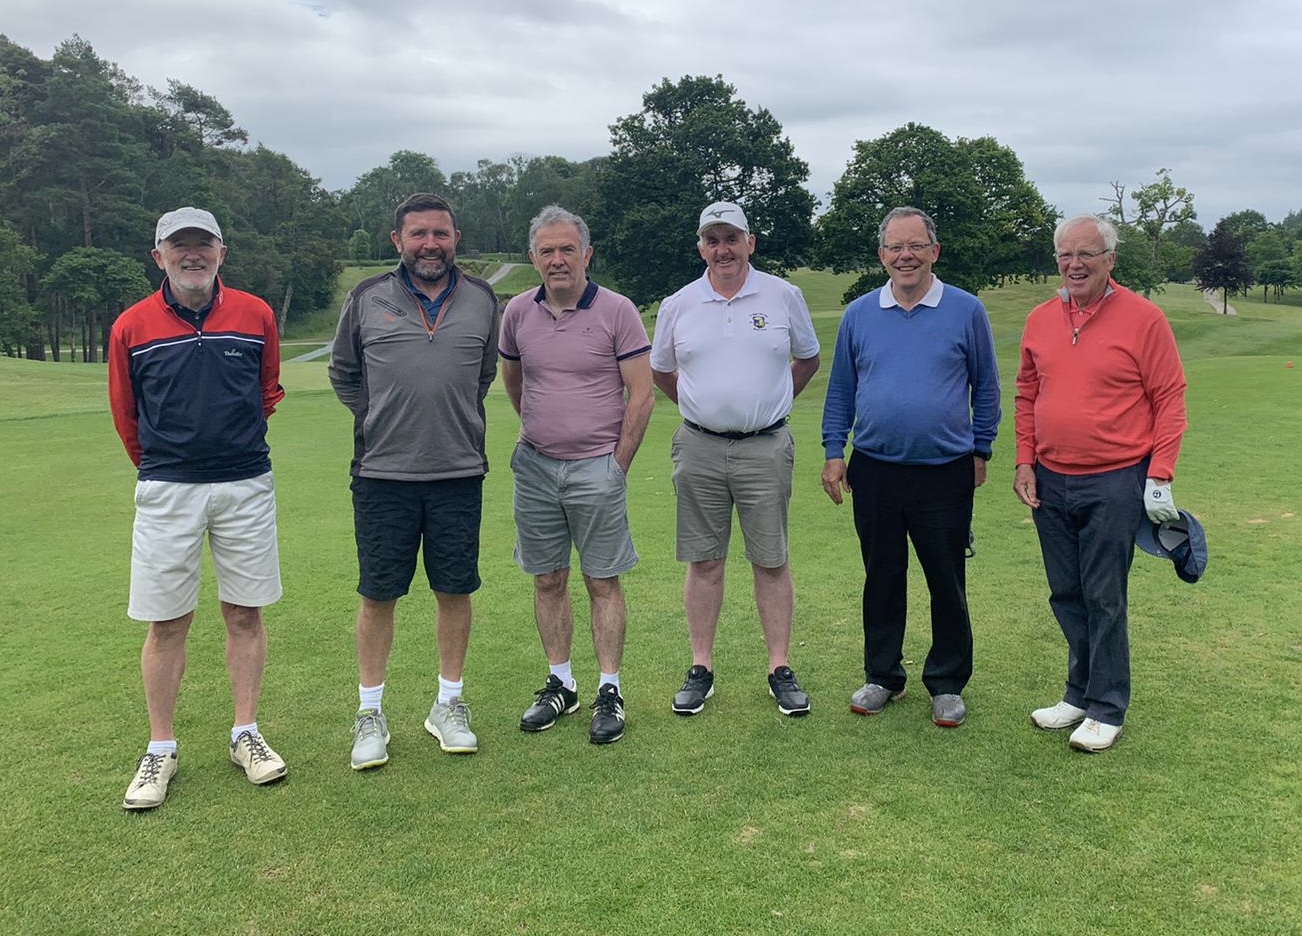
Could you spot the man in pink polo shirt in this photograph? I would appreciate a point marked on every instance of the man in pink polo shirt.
(576, 368)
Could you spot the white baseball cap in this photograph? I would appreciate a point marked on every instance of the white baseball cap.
(184, 218)
(723, 212)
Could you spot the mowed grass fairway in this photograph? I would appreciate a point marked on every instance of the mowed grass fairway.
(736, 821)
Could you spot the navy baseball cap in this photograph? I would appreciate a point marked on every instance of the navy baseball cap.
(1182, 541)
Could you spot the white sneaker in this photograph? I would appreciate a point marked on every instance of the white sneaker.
(1062, 715)
(261, 764)
(1094, 735)
(149, 786)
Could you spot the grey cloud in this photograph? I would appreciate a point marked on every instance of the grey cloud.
(1111, 89)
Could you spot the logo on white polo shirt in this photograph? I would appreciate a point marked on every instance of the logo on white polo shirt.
(759, 321)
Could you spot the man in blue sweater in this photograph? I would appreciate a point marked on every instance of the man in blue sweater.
(914, 377)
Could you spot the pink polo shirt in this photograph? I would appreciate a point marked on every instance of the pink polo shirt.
(572, 400)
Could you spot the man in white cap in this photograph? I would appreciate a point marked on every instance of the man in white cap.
(194, 372)
(733, 349)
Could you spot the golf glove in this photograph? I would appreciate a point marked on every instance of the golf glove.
(1159, 503)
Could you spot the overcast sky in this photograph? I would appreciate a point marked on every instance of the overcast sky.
(1085, 93)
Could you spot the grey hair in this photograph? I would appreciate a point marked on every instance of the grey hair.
(1107, 230)
(555, 214)
(906, 212)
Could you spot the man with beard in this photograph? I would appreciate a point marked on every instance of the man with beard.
(194, 372)
(413, 357)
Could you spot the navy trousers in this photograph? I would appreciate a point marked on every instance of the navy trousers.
(1087, 526)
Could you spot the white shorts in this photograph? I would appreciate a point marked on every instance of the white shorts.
(172, 517)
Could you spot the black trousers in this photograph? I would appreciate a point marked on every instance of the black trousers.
(930, 505)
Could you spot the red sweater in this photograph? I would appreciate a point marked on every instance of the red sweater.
(1105, 397)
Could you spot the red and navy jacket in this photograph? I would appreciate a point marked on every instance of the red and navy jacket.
(191, 396)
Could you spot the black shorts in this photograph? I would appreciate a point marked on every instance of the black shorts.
(392, 519)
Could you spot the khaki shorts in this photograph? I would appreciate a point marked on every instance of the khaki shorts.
(712, 475)
(172, 519)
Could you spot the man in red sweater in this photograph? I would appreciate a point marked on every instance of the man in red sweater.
(1100, 414)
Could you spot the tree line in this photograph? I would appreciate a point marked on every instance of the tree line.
(89, 158)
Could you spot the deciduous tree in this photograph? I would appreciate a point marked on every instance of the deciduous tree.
(1277, 275)
(1222, 264)
(370, 203)
(84, 290)
(1157, 206)
(483, 203)
(991, 222)
(550, 180)
(286, 235)
(1268, 259)
(1246, 224)
(1135, 268)
(695, 142)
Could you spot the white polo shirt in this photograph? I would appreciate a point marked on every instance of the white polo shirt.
(733, 356)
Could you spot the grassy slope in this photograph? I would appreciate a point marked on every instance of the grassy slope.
(737, 821)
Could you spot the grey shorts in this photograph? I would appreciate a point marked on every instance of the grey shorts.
(561, 503)
(713, 474)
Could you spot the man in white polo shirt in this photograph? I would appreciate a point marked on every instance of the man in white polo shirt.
(574, 363)
(733, 349)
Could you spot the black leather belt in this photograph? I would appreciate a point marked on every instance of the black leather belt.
(737, 435)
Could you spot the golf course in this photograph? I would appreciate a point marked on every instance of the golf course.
(735, 821)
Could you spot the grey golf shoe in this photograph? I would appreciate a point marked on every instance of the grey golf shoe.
(948, 710)
(450, 723)
(370, 739)
(872, 699)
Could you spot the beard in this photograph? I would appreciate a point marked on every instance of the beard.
(430, 269)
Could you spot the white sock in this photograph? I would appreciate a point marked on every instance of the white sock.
(161, 747)
(449, 690)
(251, 728)
(609, 678)
(565, 673)
(370, 697)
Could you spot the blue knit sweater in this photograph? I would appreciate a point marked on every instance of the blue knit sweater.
(918, 387)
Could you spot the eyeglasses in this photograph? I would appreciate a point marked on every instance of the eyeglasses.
(1084, 256)
(896, 249)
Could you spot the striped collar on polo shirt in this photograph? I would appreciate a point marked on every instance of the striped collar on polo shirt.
(586, 300)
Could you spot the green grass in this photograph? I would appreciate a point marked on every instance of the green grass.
(517, 280)
(736, 821)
